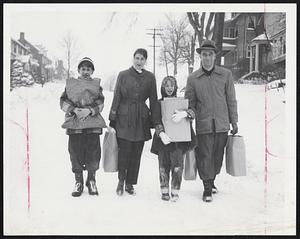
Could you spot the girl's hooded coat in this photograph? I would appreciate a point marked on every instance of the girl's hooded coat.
(157, 144)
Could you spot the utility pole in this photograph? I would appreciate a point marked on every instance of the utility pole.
(154, 34)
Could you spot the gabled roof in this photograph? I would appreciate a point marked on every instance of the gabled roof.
(261, 37)
(31, 45)
(19, 43)
(37, 48)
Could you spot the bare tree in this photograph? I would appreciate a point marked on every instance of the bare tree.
(174, 42)
(218, 34)
(197, 20)
(188, 51)
(69, 43)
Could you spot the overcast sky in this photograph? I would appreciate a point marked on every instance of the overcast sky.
(109, 45)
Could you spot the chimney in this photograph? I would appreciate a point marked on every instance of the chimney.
(22, 36)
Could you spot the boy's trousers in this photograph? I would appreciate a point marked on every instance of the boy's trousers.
(85, 152)
(129, 157)
(170, 161)
(209, 154)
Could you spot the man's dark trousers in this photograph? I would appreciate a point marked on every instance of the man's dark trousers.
(210, 153)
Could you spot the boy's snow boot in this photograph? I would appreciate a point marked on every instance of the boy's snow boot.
(174, 197)
(214, 188)
(91, 183)
(129, 188)
(77, 191)
(207, 194)
(165, 196)
(120, 188)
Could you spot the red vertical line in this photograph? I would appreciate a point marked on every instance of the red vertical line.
(266, 130)
(27, 160)
(266, 135)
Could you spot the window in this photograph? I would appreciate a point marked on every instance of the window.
(251, 22)
(279, 47)
(248, 51)
(230, 32)
(235, 56)
(233, 14)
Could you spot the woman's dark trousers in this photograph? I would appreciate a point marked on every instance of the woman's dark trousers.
(129, 157)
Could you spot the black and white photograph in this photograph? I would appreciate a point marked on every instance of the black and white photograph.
(149, 119)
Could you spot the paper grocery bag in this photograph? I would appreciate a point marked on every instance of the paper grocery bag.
(178, 132)
(110, 152)
(190, 169)
(235, 156)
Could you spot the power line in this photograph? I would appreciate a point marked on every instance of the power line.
(154, 34)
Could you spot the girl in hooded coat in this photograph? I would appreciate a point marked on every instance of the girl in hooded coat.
(170, 154)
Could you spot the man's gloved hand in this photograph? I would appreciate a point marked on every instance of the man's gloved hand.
(179, 115)
(164, 138)
(235, 128)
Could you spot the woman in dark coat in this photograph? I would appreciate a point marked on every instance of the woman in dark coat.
(131, 118)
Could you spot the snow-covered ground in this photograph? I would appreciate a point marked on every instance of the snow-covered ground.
(240, 207)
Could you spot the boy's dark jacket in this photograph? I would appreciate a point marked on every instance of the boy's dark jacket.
(157, 144)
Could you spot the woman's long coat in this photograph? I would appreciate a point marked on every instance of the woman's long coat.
(132, 116)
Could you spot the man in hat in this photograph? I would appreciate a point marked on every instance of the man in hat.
(211, 95)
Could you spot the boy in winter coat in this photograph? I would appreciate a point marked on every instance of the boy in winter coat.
(170, 155)
(82, 101)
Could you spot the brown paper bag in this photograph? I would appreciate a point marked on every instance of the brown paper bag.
(235, 156)
(110, 152)
(178, 132)
(190, 169)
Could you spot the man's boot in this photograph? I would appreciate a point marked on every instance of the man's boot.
(77, 191)
(207, 194)
(91, 183)
(129, 188)
(120, 188)
(213, 187)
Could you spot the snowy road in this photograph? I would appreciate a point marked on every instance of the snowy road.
(238, 208)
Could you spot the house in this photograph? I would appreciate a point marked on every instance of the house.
(274, 50)
(22, 53)
(44, 71)
(254, 42)
(239, 31)
(17, 49)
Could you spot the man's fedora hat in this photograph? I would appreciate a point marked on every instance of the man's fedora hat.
(207, 45)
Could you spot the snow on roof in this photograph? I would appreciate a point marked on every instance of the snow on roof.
(261, 37)
(23, 58)
(34, 62)
(227, 46)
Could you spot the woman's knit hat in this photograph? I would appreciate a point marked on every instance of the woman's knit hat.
(86, 59)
